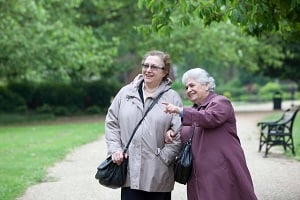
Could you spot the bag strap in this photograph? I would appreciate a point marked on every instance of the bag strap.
(191, 138)
(139, 123)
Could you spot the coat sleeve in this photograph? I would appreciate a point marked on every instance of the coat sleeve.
(215, 114)
(170, 151)
(112, 128)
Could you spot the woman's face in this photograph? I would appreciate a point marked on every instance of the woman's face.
(195, 91)
(153, 71)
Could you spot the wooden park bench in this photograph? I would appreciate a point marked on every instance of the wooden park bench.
(279, 132)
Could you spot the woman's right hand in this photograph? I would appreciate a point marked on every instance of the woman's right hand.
(118, 157)
(170, 108)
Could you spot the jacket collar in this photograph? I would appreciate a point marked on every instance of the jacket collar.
(165, 85)
(206, 101)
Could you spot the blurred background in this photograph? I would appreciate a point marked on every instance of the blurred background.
(62, 62)
(62, 58)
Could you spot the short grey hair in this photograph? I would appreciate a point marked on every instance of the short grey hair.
(201, 76)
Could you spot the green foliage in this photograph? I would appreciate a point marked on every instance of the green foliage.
(61, 111)
(25, 89)
(11, 102)
(100, 93)
(296, 129)
(269, 90)
(255, 17)
(270, 87)
(58, 98)
(76, 41)
(227, 94)
(232, 90)
(44, 144)
(290, 62)
(41, 41)
(45, 108)
(93, 110)
(275, 22)
(57, 94)
(221, 48)
(117, 19)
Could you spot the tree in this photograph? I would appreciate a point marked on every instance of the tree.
(116, 19)
(221, 47)
(290, 64)
(40, 40)
(269, 20)
(255, 17)
(76, 39)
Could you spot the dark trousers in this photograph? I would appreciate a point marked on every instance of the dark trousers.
(130, 194)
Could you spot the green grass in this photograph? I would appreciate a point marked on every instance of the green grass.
(24, 118)
(296, 135)
(27, 150)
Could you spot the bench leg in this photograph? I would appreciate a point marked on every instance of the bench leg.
(293, 147)
(267, 150)
(262, 141)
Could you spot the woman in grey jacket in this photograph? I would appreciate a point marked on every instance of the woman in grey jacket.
(150, 171)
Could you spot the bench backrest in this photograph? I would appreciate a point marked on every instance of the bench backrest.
(289, 115)
(287, 120)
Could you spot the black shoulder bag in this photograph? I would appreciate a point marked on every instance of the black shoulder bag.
(184, 162)
(110, 174)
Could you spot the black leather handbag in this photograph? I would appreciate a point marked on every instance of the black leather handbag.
(110, 174)
(184, 163)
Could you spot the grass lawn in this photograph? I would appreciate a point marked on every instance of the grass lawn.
(27, 150)
(296, 134)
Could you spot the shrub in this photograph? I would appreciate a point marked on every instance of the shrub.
(45, 109)
(11, 102)
(58, 98)
(58, 95)
(93, 110)
(270, 87)
(60, 111)
(99, 93)
(24, 89)
(267, 91)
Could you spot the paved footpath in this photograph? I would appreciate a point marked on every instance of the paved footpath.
(275, 178)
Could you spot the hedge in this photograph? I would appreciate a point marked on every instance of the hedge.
(58, 98)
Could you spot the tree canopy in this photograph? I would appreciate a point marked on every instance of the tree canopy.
(86, 39)
(274, 23)
(256, 17)
(42, 39)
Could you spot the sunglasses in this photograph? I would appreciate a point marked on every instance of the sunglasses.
(153, 67)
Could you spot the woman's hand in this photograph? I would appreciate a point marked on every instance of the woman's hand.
(169, 136)
(170, 108)
(118, 157)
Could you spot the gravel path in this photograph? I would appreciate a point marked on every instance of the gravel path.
(275, 178)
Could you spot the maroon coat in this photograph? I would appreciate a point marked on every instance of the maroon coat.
(219, 171)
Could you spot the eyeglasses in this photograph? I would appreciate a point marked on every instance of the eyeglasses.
(153, 67)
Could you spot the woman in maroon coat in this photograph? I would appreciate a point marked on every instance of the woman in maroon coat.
(219, 170)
